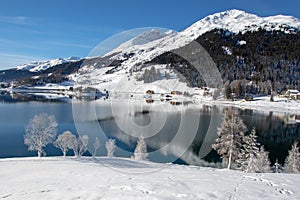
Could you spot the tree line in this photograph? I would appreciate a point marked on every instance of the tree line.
(243, 152)
(42, 131)
(268, 62)
(237, 149)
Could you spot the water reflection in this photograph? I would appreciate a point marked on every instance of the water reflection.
(185, 130)
(169, 131)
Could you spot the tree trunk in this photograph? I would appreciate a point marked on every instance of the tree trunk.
(229, 159)
(40, 153)
(64, 153)
(230, 150)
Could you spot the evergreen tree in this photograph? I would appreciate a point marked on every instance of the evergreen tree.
(262, 163)
(167, 75)
(249, 152)
(227, 91)
(140, 152)
(277, 168)
(292, 162)
(231, 132)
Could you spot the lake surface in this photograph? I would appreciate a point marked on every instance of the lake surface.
(181, 133)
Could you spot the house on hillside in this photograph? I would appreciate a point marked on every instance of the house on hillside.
(292, 94)
(149, 92)
(176, 92)
(175, 103)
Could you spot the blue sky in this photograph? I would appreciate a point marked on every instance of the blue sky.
(37, 30)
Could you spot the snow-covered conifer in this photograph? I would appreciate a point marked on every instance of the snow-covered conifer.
(277, 168)
(292, 162)
(249, 152)
(140, 152)
(230, 133)
(261, 162)
(39, 132)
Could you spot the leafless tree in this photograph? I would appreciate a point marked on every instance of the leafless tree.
(140, 152)
(96, 146)
(65, 142)
(39, 132)
(110, 147)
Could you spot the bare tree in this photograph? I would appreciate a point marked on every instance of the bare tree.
(110, 147)
(140, 152)
(65, 142)
(230, 133)
(96, 146)
(80, 145)
(39, 132)
(292, 162)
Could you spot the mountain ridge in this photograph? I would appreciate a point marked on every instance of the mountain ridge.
(132, 56)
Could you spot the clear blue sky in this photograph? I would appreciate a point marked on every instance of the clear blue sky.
(46, 29)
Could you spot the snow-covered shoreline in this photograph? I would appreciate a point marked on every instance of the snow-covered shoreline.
(263, 104)
(119, 178)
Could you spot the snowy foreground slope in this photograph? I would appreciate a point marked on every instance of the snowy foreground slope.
(120, 178)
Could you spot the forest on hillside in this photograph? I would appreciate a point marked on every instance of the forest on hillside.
(258, 62)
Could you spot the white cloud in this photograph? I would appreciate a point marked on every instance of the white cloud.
(15, 20)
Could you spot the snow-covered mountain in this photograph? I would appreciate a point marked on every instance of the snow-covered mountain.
(234, 21)
(237, 21)
(151, 44)
(142, 40)
(123, 67)
(44, 65)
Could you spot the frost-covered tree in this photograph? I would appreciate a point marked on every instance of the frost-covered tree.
(249, 152)
(65, 142)
(230, 134)
(96, 146)
(292, 162)
(80, 145)
(261, 162)
(39, 132)
(110, 147)
(140, 152)
(277, 168)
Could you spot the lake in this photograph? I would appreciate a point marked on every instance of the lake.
(178, 132)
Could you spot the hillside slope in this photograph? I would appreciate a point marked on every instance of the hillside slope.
(116, 178)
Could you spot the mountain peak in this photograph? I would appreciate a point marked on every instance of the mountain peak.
(44, 65)
(240, 21)
(144, 38)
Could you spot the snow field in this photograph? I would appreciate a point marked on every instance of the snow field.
(119, 178)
